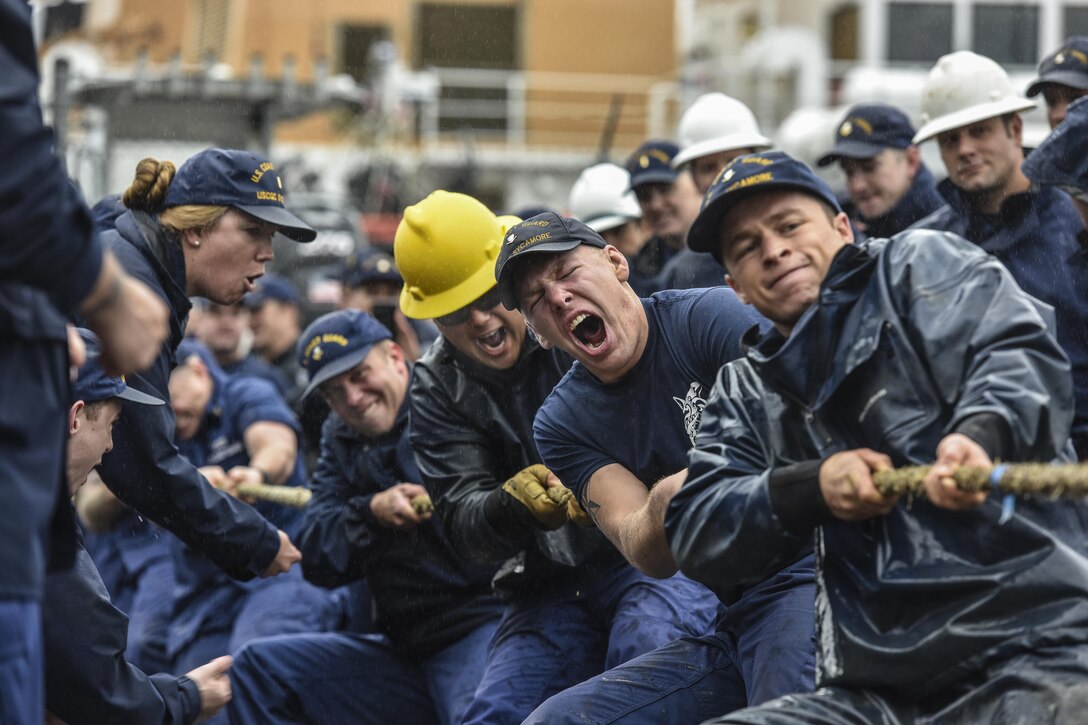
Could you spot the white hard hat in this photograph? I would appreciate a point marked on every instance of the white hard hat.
(965, 88)
(716, 122)
(601, 198)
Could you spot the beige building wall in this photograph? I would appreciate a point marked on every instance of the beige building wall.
(633, 40)
(122, 28)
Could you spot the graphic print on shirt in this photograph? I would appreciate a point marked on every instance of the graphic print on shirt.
(692, 406)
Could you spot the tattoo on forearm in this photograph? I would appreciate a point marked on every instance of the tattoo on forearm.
(591, 509)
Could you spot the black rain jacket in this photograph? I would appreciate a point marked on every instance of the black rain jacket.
(472, 428)
(912, 338)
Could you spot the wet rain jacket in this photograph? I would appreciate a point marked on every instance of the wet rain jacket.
(911, 339)
(1036, 237)
(472, 428)
(145, 469)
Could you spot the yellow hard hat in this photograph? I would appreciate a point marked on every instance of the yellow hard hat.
(445, 247)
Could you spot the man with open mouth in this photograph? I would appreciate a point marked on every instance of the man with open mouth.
(573, 605)
(617, 430)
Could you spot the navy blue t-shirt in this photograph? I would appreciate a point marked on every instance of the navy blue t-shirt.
(237, 402)
(647, 421)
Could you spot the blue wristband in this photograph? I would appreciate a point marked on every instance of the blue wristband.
(1008, 501)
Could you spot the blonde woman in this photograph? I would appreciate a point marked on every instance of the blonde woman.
(204, 230)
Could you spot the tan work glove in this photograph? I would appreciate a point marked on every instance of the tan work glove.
(529, 487)
(563, 496)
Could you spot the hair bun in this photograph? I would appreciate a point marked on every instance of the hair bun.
(148, 190)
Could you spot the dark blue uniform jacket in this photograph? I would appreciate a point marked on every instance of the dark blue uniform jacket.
(49, 261)
(921, 199)
(912, 338)
(87, 679)
(145, 469)
(1036, 237)
(426, 597)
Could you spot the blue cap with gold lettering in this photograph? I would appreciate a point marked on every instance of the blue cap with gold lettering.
(240, 179)
(743, 177)
(868, 129)
(1062, 157)
(337, 342)
(547, 232)
(651, 163)
(1066, 66)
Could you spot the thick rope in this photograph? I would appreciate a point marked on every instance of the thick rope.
(1020, 479)
(297, 497)
(293, 496)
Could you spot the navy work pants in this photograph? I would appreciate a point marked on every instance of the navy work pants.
(284, 604)
(135, 565)
(354, 678)
(549, 643)
(22, 692)
(764, 647)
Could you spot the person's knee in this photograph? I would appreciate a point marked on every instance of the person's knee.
(254, 656)
(551, 711)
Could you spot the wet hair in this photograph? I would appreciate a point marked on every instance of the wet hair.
(148, 191)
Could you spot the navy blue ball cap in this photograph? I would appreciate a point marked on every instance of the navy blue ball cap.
(1068, 66)
(190, 346)
(93, 384)
(868, 129)
(652, 163)
(271, 287)
(1062, 157)
(546, 232)
(337, 342)
(240, 179)
(527, 211)
(375, 266)
(746, 176)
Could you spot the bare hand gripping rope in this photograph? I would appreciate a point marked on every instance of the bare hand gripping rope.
(297, 497)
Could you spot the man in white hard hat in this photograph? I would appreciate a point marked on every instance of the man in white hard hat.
(713, 131)
(1063, 78)
(969, 106)
(602, 199)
